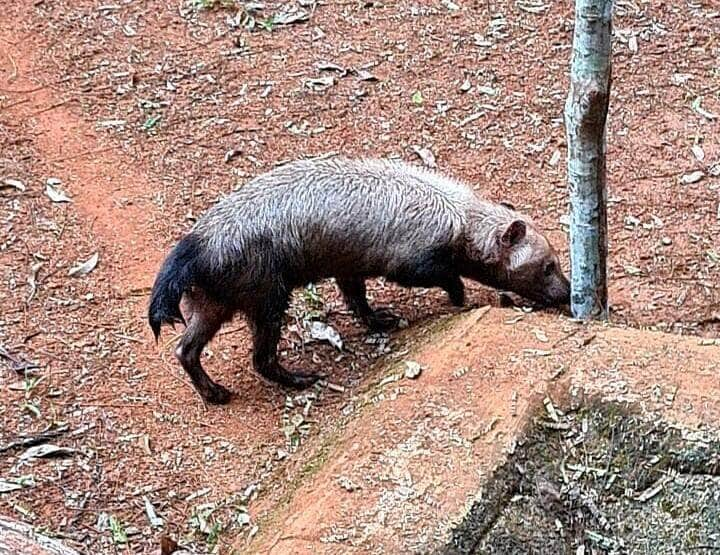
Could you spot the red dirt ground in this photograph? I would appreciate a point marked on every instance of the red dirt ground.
(418, 451)
(70, 72)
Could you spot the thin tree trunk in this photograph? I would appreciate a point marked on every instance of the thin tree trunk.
(585, 118)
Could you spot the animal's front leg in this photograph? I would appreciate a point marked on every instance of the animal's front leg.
(355, 294)
(455, 289)
(265, 323)
(432, 269)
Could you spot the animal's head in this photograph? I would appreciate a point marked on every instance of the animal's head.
(518, 257)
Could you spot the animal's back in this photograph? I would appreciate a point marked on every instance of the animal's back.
(327, 215)
(350, 220)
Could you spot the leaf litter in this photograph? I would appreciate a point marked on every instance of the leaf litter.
(572, 487)
(13, 184)
(478, 42)
(44, 451)
(325, 332)
(86, 267)
(54, 193)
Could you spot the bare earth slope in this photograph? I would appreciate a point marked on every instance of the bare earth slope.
(402, 475)
(147, 111)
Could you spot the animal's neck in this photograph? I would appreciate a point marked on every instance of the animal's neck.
(487, 219)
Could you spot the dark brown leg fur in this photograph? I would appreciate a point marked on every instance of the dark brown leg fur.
(205, 320)
(381, 319)
(265, 321)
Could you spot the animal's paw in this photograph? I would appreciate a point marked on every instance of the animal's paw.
(301, 380)
(217, 395)
(464, 308)
(294, 380)
(382, 320)
(505, 300)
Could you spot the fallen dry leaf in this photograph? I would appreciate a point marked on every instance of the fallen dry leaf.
(692, 177)
(426, 155)
(325, 332)
(13, 183)
(86, 267)
(412, 369)
(46, 450)
(54, 194)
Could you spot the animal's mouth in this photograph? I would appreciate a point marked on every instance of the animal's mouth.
(564, 300)
(536, 301)
(544, 301)
(545, 304)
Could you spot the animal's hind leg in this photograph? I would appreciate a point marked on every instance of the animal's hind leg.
(353, 290)
(265, 321)
(205, 320)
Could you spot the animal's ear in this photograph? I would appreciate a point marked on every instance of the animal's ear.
(513, 234)
(507, 204)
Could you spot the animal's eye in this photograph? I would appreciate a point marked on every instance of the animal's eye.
(549, 269)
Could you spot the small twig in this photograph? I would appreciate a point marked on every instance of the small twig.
(16, 364)
(128, 337)
(655, 176)
(34, 440)
(24, 91)
(14, 73)
(232, 330)
(22, 101)
(171, 372)
(236, 131)
(136, 292)
(62, 227)
(80, 155)
(109, 405)
(566, 337)
(51, 107)
(29, 336)
(173, 339)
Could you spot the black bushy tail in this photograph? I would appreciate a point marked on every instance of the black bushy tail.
(175, 277)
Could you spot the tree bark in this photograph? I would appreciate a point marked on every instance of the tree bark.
(585, 121)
